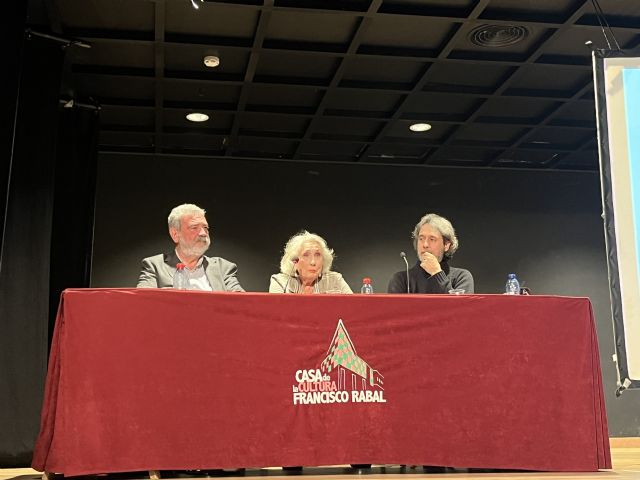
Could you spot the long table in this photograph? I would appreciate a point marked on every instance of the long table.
(167, 380)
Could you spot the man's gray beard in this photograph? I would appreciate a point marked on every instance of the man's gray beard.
(197, 250)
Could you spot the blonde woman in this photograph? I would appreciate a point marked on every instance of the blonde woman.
(305, 267)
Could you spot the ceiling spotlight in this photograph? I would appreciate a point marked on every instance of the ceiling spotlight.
(420, 127)
(212, 61)
(197, 117)
(195, 5)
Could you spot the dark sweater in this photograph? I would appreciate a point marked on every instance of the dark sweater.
(421, 282)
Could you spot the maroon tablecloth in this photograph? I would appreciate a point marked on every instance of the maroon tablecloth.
(164, 379)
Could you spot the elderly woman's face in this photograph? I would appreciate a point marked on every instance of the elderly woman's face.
(310, 261)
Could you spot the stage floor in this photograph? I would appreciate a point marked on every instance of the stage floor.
(625, 455)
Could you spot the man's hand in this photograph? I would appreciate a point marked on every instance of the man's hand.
(429, 263)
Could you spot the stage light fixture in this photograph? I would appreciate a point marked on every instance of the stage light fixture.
(197, 117)
(420, 127)
(212, 61)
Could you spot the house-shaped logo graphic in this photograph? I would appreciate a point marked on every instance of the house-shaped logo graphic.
(346, 368)
(343, 376)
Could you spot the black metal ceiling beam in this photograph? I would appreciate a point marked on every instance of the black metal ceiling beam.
(303, 112)
(159, 32)
(618, 22)
(380, 87)
(520, 142)
(337, 81)
(506, 83)
(589, 145)
(258, 40)
(405, 140)
(110, 151)
(356, 40)
(335, 138)
(570, 62)
(418, 87)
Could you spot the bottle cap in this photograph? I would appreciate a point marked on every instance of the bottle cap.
(180, 266)
(366, 280)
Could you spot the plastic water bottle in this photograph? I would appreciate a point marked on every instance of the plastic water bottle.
(366, 286)
(180, 280)
(513, 286)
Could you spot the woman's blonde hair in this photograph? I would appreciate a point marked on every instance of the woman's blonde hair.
(293, 249)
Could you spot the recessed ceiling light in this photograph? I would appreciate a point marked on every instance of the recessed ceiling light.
(212, 61)
(420, 127)
(197, 117)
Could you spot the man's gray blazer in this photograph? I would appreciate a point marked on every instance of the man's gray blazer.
(157, 272)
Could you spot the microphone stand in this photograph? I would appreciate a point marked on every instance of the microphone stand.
(294, 262)
(404, 257)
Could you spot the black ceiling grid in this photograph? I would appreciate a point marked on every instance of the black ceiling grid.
(503, 83)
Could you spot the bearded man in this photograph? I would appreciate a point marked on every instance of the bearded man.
(435, 242)
(189, 231)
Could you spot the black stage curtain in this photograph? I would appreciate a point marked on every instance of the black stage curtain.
(74, 199)
(24, 277)
(47, 239)
(12, 44)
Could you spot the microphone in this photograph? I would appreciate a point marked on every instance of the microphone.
(294, 262)
(404, 257)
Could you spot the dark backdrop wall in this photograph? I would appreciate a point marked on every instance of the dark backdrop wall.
(544, 226)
